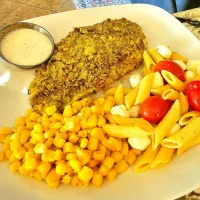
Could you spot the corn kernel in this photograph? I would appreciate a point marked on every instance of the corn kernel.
(101, 100)
(15, 166)
(30, 125)
(92, 144)
(72, 124)
(73, 138)
(14, 145)
(8, 153)
(101, 147)
(37, 176)
(61, 169)
(83, 123)
(64, 135)
(107, 106)
(50, 133)
(77, 104)
(104, 170)
(23, 171)
(39, 120)
(83, 143)
(96, 102)
(5, 131)
(12, 158)
(115, 143)
(34, 116)
(108, 152)
(59, 141)
(20, 121)
(2, 156)
(25, 134)
(50, 110)
(48, 156)
(101, 121)
(97, 179)
(108, 145)
(85, 174)
(92, 163)
(74, 180)
(86, 101)
(97, 133)
(96, 109)
(38, 128)
(124, 150)
(40, 148)
(75, 164)
(57, 125)
(130, 158)
(83, 156)
(49, 142)
(112, 174)
(39, 137)
(110, 119)
(67, 179)
(117, 156)
(52, 184)
(29, 111)
(20, 153)
(31, 164)
(70, 156)
(68, 111)
(2, 138)
(57, 117)
(137, 152)
(121, 166)
(99, 155)
(108, 162)
(68, 147)
(58, 154)
(69, 169)
(44, 167)
(92, 121)
(6, 146)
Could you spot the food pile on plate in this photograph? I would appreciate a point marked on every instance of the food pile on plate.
(96, 139)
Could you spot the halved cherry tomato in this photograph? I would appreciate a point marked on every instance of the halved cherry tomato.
(192, 91)
(154, 109)
(172, 67)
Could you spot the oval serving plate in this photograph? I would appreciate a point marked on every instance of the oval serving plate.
(176, 179)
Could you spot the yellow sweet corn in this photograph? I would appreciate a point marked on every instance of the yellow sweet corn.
(2, 156)
(61, 169)
(124, 150)
(40, 148)
(99, 155)
(73, 138)
(92, 144)
(98, 133)
(108, 162)
(83, 156)
(68, 147)
(23, 171)
(104, 170)
(66, 179)
(25, 134)
(70, 156)
(31, 164)
(50, 110)
(59, 141)
(74, 181)
(58, 154)
(37, 176)
(34, 116)
(112, 174)
(38, 128)
(14, 166)
(5, 131)
(121, 166)
(97, 179)
(92, 121)
(85, 174)
(19, 153)
(117, 156)
(44, 167)
(48, 156)
(92, 163)
(83, 143)
(101, 121)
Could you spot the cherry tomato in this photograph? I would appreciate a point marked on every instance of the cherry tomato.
(172, 67)
(154, 109)
(193, 93)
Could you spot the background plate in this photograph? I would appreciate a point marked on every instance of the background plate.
(179, 177)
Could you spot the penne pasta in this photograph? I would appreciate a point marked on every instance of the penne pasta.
(144, 88)
(119, 95)
(144, 71)
(140, 122)
(160, 90)
(196, 78)
(112, 91)
(157, 81)
(149, 63)
(163, 157)
(166, 124)
(184, 103)
(127, 131)
(173, 80)
(176, 56)
(144, 161)
(130, 98)
(194, 142)
(184, 136)
(174, 130)
(155, 55)
(170, 94)
(188, 117)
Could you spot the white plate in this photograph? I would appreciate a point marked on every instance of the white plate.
(176, 179)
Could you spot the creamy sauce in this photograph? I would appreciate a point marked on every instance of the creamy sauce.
(25, 47)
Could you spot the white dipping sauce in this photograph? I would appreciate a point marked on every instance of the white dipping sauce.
(25, 47)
